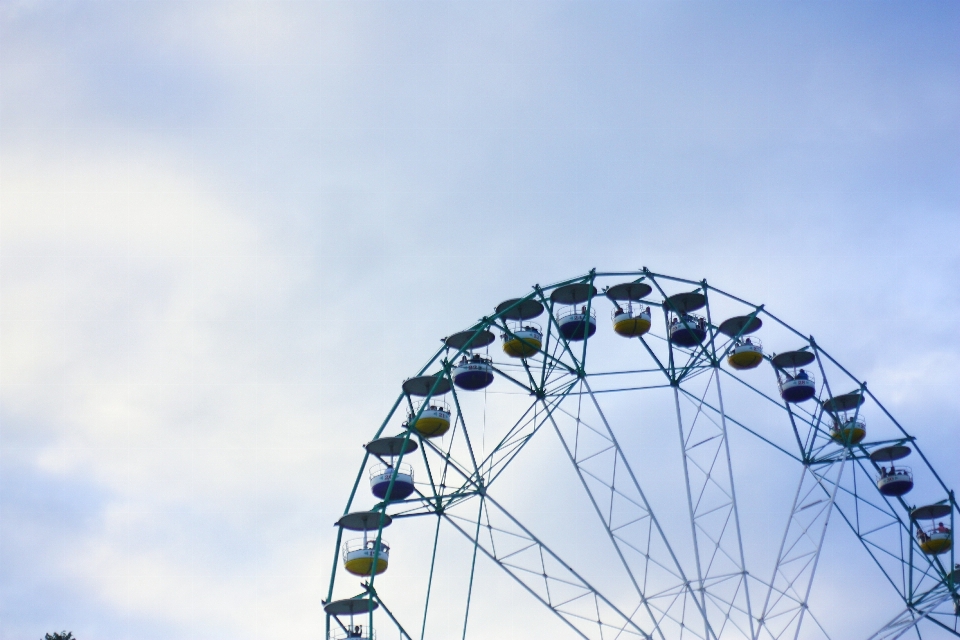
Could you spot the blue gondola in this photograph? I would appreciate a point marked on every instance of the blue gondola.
(796, 383)
(577, 325)
(381, 475)
(576, 319)
(474, 373)
(896, 480)
(688, 330)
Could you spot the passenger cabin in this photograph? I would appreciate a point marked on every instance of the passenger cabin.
(389, 480)
(631, 318)
(521, 338)
(356, 632)
(401, 477)
(745, 351)
(796, 383)
(473, 372)
(430, 420)
(576, 318)
(936, 537)
(349, 608)
(848, 426)
(371, 553)
(685, 329)
(897, 480)
(360, 554)
(431, 417)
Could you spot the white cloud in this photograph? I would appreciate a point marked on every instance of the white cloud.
(171, 172)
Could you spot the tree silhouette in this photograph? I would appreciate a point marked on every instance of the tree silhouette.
(63, 635)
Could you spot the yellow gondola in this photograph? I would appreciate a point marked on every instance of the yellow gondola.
(629, 324)
(849, 427)
(523, 342)
(433, 422)
(852, 431)
(358, 556)
(934, 542)
(630, 318)
(935, 538)
(746, 355)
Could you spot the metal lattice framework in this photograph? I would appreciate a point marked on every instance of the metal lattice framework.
(691, 575)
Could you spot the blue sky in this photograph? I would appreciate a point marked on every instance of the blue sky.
(229, 230)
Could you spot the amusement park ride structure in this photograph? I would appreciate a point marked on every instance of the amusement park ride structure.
(697, 583)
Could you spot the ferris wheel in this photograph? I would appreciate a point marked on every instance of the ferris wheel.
(656, 427)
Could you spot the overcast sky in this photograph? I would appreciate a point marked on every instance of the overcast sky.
(228, 231)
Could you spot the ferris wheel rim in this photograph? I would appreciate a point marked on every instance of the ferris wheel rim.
(810, 353)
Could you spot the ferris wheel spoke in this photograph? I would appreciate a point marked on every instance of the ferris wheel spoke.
(561, 342)
(599, 476)
(711, 501)
(743, 426)
(508, 450)
(542, 357)
(800, 549)
(911, 572)
(508, 377)
(496, 462)
(542, 573)
(908, 619)
(466, 433)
